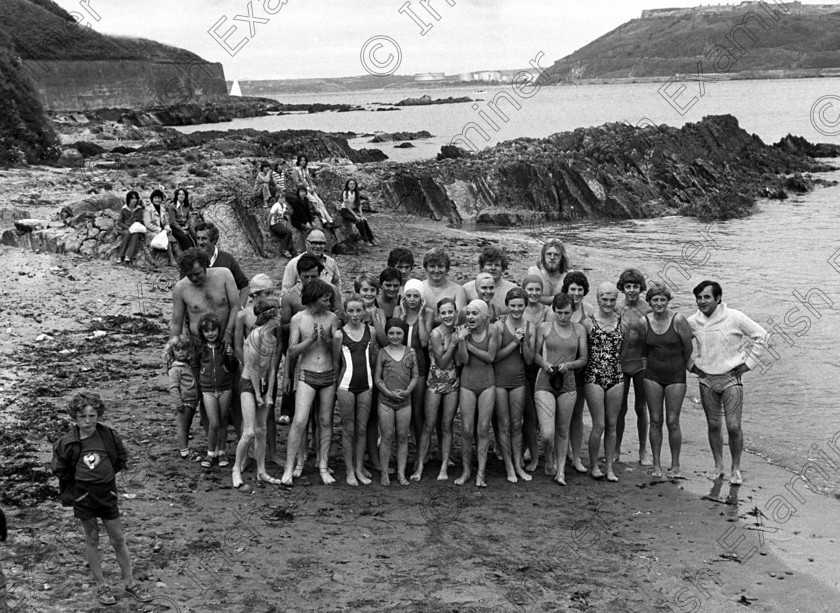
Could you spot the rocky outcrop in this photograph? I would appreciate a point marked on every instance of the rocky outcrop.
(800, 146)
(216, 111)
(710, 169)
(426, 100)
(399, 136)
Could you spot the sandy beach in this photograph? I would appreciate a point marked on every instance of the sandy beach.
(198, 545)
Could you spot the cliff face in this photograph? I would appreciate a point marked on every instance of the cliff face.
(81, 85)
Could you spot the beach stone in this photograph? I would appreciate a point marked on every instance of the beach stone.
(70, 158)
(88, 247)
(104, 223)
(28, 225)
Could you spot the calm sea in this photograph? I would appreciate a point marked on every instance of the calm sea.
(770, 265)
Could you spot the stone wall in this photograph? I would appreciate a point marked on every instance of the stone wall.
(82, 85)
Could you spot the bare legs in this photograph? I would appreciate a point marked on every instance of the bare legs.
(546, 413)
(450, 406)
(114, 529)
(641, 408)
(391, 422)
(604, 406)
(563, 419)
(504, 432)
(671, 397)
(253, 429)
(418, 408)
(304, 396)
(576, 428)
(217, 414)
(355, 412)
(468, 402)
(719, 406)
(513, 402)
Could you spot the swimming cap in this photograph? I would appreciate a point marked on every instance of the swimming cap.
(481, 306)
(413, 284)
(261, 282)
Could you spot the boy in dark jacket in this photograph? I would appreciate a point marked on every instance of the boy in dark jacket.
(86, 461)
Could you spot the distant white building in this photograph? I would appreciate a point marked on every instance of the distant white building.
(427, 77)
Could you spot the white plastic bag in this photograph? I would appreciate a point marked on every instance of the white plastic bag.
(137, 228)
(160, 241)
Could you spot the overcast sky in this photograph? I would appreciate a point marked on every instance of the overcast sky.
(325, 38)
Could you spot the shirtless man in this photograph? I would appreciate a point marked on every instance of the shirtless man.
(403, 260)
(203, 290)
(436, 262)
(551, 267)
(261, 287)
(494, 261)
(310, 338)
(721, 357)
(631, 283)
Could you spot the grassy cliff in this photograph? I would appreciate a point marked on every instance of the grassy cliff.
(746, 40)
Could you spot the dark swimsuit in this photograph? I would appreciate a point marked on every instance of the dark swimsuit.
(557, 350)
(357, 373)
(510, 371)
(477, 375)
(422, 352)
(665, 361)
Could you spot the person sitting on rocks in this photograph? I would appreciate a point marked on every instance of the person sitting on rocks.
(300, 216)
(156, 219)
(301, 177)
(179, 213)
(278, 180)
(207, 236)
(351, 211)
(262, 184)
(130, 214)
(281, 226)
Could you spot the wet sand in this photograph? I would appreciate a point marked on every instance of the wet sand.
(198, 545)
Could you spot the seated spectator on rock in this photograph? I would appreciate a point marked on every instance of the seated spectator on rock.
(351, 211)
(156, 219)
(262, 184)
(281, 226)
(180, 219)
(301, 178)
(208, 237)
(278, 180)
(316, 242)
(131, 213)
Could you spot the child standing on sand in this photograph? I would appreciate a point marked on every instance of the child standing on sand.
(86, 461)
(216, 380)
(396, 377)
(183, 392)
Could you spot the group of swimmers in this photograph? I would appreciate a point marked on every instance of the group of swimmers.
(522, 358)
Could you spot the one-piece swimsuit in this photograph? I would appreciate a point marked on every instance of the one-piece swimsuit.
(559, 349)
(510, 371)
(477, 375)
(442, 380)
(604, 366)
(357, 373)
(665, 358)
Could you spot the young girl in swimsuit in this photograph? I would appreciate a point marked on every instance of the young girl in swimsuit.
(667, 338)
(535, 314)
(216, 379)
(367, 286)
(442, 385)
(396, 377)
(576, 285)
(418, 317)
(311, 339)
(356, 344)
(476, 353)
(258, 388)
(603, 379)
(560, 351)
(509, 370)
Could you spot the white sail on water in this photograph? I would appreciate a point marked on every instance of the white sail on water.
(235, 90)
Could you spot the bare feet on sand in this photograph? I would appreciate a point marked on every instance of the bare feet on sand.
(674, 473)
(611, 477)
(403, 480)
(443, 475)
(596, 473)
(363, 476)
(736, 478)
(656, 473)
(523, 474)
(351, 479)
(479, 481)
(644, 458)
(463, 478)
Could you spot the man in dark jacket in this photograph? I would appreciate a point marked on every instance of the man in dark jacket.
(86, 461)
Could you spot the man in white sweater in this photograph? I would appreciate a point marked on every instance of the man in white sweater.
(727, 344)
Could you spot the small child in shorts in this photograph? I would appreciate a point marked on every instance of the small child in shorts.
(86, 461)
(183, 392)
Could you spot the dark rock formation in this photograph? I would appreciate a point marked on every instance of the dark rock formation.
(711, 169)
(400, 136)
(216, 111)
(425, 100)
(404, 146)
(800, 146)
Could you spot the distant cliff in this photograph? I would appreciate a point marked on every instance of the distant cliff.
(748, 40)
